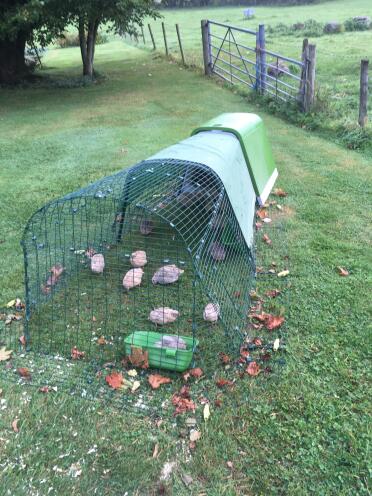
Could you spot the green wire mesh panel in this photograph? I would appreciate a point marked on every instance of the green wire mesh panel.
(78, 249)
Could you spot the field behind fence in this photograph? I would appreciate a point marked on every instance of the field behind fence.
(338, 56)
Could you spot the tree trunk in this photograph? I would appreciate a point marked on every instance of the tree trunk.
(87, 39)
(12, 59)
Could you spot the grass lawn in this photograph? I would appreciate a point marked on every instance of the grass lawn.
(338, 56)
(301, 431)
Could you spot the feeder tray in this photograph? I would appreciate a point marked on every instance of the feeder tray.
(162, 357)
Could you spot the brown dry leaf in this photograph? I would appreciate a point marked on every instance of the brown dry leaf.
(101, 341)
(273, 322)
(15, 425)
(342, 272)
(156, 380)
(5, 354)
(198, 372)
(223, 382)
(24, 372)
(182, 401)
(115, 380)
(225, 359)
(261, 213)
(253, 369)
(76, 354)
(45, 389)
(266, 239)
(260, 317)
(139, 358)
(257, 341)
(280, 192)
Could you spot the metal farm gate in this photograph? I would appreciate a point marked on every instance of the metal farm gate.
(239, 56)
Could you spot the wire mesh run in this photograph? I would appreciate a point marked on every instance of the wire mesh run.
(97, 263)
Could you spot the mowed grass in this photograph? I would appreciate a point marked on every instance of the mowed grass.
(303, 431)
(338, 55)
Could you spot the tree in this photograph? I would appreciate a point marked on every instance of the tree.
(22, 22)
(119, 16)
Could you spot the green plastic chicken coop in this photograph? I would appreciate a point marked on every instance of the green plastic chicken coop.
(151, 260)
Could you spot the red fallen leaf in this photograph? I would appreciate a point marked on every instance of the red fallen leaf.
(273, 322)
(260, 317)
(192, 445)
(182, 401)
(273, 293)
(76, 354)
(261, 213)
(224, 358)
(253, 369)
(114, 380)
(257, 341)
(22, 340)
(280, 192)
(266, 239)
(223, 382)
(342, 272)
(218, 403)
(15, 425)
(244, 353)
(198, 372)
(265, 357)
(258, 225)
(156, 380)
(24, 372)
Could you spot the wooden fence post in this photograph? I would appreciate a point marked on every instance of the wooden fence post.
(310, 78)
(206, 47)
(262, 56)
(165, 39)
(180, 44)
(258, 62)
(363, 97)
(302, 88)
(152, 37)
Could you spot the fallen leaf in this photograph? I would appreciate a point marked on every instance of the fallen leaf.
(101, 341)
(261, 213)
(258, 225)
(10, 304)
(280, 192)
(22, 340)
(218, 403)
(267, 220)
(192, 445)
(5, 354)
(182, 401)
(206, 412)
(225, 359)
(115, 380)
(24, 372)
(186, 376)
(253, 369)
(15, 425)
(156, 451)
(266, 239)
(283, 273)
(156, 380)
(135, 386)
(132, 373)
(195, 436)
(198, 372)
(273, 322)
(139, 358)
(45, 389)
(257, 341)
(223, 382)
(342, 272)
(276, 344)
(230, 465)
(76, 354)
(273, 293)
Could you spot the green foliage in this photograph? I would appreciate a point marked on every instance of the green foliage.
(312, 28)
(72, 39)
(354, 25)
(354, 137)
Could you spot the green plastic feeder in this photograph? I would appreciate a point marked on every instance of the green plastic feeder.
(162, 358)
